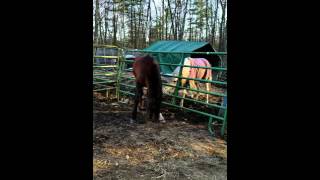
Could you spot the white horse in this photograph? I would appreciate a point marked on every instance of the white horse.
(191, 72)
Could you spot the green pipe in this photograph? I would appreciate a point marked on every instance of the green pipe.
(188, 109)
(128, 70)
(104, 74)
(201, 80)
(102, 89)
(104, 46)
(210, 126)
(192, 110)
(107, 57)
(105, 66)
(203, 67)
(166, 84)
(224, 123)
(108, 88)
(129, 78)
(131, 61)
(132, 86)
(103, 77)
(209, 104)
(214, 105)
(120, 65)
(206, 92)
(125, 92)
(179, 52)
(103, 82)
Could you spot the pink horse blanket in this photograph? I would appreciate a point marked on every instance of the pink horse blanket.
(194, 72)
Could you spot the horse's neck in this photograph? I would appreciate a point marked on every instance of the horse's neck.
(187, 61)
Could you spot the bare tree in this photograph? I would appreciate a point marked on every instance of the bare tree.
(148, 20)
(222, 24)
(215, 22)
(134, 24)
(207, 24)
(96, 17)
(183, 22)
(115, 27)
(106, 13)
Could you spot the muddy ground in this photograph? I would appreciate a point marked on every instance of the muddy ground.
(182, 148)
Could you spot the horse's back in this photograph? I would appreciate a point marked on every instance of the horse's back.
(199, 62)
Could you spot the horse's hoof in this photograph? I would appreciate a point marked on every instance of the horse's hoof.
(162, 121)
(131, 121)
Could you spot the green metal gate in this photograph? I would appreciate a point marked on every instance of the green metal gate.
(126, 86)
(105, 74)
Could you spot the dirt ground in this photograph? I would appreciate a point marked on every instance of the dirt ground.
(182, 148)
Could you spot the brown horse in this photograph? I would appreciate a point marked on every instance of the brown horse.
(147, 73)
(196, 73)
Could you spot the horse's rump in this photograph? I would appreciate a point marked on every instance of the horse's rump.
(200, 73)
(146, 70)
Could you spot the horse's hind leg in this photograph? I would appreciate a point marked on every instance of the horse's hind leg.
(152, 108)
(142, 102)
(149, 110)
(137, 99)
(156, 113)
(183, 82)
(208, 90)
(194, 86)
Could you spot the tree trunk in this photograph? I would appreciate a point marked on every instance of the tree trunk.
(135, 32)
(96, 24)
(123, 24)
(190, 28)
(100, 31)
(214, 23)
(114, 40)
(148, 22)
(166, 20)
(155, 7)
(140, 25)
(131, 26)
(171, 16)
(106, 12)
(221, 33)
(183, 21)
(207, 20)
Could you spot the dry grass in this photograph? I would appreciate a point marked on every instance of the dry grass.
(175, 150)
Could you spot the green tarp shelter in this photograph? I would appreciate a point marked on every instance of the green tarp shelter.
(181, 46)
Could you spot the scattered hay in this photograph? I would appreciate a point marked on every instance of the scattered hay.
(174, 150)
